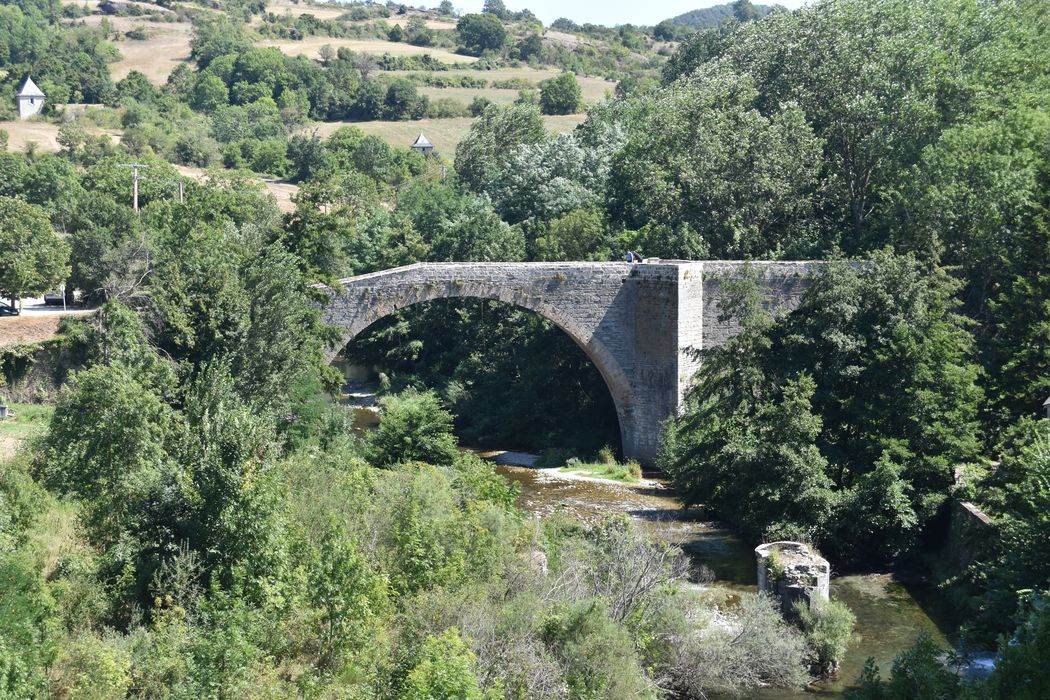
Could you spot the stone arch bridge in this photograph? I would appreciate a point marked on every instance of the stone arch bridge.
(640, 324)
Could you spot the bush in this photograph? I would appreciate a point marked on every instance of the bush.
(478, 105)
(445, 670)
(554, 457)
(828, 627)
(561, 95)
(757, 649)
(634, 470)
(414, 428)
(597, 655)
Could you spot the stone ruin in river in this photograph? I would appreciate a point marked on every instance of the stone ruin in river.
(792, 573)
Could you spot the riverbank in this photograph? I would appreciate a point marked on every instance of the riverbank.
(527, 460)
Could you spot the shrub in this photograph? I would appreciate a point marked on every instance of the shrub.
(414, 427)
(597, 655)
(756, 650)
(634, 470)
(606, 456)
(554, 457)
(445, 670)
(828, 627)
(478, 105)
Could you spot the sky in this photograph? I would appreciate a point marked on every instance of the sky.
(607, 12)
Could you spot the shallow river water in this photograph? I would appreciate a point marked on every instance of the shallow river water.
(889, 617)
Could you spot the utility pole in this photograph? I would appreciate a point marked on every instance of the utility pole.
(135, 167)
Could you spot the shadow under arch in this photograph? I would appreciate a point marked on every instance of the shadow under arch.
(367, 299)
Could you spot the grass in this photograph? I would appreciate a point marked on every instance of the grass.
(445, 134)
(630, 473)
(29, 420)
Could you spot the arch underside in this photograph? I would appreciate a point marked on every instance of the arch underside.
(376, 303)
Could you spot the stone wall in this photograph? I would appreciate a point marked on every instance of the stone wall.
(643, 325)
(970, 531)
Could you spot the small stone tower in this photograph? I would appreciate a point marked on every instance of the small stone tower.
(30, 99)
(423, 145)
(792, 573)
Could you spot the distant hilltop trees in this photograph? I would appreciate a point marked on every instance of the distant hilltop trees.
(742, 11)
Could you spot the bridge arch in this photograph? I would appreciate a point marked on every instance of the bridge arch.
(641, 325)
(379, 295)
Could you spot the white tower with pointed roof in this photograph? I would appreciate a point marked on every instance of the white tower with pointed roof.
(30, 99)
(422, 145)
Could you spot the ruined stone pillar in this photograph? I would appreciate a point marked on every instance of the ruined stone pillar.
(792, 573)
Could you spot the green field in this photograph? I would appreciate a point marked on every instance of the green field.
(445, 134)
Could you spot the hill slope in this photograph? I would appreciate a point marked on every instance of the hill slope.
(716, 14)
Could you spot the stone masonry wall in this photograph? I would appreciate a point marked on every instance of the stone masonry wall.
(640, 324)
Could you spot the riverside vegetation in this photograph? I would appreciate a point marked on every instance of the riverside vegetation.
(196, 519)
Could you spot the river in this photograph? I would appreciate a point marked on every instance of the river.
(889, 616)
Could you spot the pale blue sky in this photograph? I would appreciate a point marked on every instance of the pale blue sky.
(607, 12)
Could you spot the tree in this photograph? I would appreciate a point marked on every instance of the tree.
(497, 8)
(744, 11)
(308, 156)
(530, 47)
(480, 33)
(35, 259)
(582, 234)
(1017, 496)
(482, 155)
(704, 154)
(561, 95)
(859, 455)
(414, 428)
(445, 8)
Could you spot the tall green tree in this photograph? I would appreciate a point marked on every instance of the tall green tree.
(480, 33)
(35, 259)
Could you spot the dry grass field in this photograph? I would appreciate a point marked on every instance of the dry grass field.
(593, 88)
(281, 191)
(402, 20)
(312, 44)
(319, 10)
(445, 134)
(157, 56)
(43, 134)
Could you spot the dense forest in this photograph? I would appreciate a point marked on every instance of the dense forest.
(195, 516)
